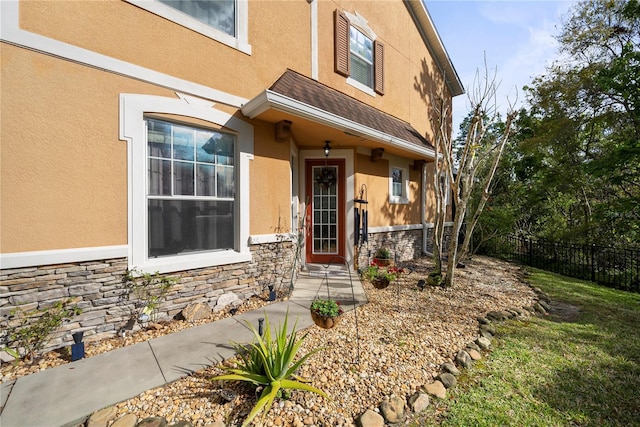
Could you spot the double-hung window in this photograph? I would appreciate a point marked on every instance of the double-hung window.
(361, 48)
(359, 55)
(190, 189)
(223, 20)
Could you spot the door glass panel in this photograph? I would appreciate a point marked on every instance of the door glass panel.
(324, 207)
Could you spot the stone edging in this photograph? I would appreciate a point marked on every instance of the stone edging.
(393, 409)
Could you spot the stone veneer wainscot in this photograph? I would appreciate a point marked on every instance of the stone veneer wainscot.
(103, 300)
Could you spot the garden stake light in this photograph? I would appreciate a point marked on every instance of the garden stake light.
(77, 349)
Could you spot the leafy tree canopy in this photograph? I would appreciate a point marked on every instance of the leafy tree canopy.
(573, 171)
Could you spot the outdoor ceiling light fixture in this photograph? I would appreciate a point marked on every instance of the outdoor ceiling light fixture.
(326, 148)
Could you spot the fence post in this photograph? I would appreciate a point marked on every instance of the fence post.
(593, 264)
(530, 244)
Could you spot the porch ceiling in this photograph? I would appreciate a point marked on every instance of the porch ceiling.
(321, 113)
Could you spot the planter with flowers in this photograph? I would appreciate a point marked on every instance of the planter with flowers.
(379, 276)
(326, 313)
(382, 257)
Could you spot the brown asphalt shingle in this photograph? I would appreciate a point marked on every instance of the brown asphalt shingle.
(311, 92)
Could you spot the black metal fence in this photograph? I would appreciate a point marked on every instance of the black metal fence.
(608, 266)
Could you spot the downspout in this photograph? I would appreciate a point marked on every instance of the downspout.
(423, 210)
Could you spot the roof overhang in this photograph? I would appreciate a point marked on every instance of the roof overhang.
(269, 100)
(433, 41)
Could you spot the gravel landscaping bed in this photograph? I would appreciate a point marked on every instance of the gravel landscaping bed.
(403, 336)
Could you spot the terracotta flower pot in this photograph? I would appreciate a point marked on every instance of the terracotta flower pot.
(383, 262)
(325, 322)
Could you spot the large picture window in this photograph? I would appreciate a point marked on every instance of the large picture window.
(191, 189)
(188, 184)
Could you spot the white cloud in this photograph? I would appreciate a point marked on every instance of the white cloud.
(518, 38)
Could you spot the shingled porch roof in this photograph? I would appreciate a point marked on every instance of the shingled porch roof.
(304, 97)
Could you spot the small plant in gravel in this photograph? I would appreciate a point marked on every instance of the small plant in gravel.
(375, 271)
(383, 253)
(29, 331)
(269, 362)
(149, 289)
(434, 278)
(326, 307)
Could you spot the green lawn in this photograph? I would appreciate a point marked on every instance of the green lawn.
(581, 369)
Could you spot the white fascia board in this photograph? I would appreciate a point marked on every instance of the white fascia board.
(434, 43)
(272, 100)
(11, 33)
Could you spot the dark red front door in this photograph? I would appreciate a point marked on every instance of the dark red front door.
(325, 182)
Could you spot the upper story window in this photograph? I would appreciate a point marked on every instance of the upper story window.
(223, 20)
(359, 56)
(220, 14)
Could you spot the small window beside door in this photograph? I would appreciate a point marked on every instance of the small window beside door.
(398, 185)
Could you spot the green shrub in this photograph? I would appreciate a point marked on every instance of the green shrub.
(326, 307)
(149, 289)
(269, 362)
(28, 332)
(374, 271)
(383, 253)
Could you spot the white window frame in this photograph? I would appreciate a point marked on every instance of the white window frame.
(353, 53)
(404, 198)
(133, 108)
(360, 23)
(353, 82)
(239, 42)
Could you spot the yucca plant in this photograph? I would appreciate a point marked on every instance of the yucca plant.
(269, 362)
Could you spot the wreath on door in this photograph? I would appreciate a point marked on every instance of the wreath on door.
(326, 178)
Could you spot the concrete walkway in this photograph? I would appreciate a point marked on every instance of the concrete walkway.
(67, 394)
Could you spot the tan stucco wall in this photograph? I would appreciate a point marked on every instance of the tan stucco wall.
(270, 183)
(63, 168)
(430, 207)
(375, 175)
(279, 36)
(409, 68)
(64, 171)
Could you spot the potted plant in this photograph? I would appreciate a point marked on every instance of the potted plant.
(326, 312)
(379, 277)
(434, 278)
(382, 257)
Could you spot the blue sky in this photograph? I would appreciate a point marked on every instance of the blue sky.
(516, 36)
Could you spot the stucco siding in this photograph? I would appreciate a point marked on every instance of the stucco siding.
(279, 36)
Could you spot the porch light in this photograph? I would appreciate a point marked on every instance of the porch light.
(326, 148)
